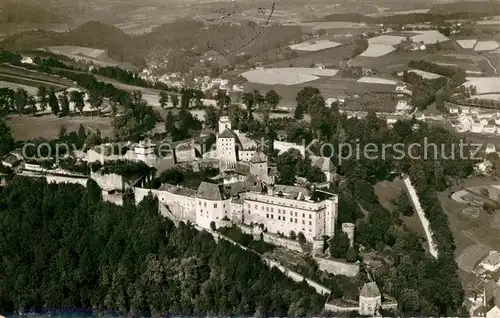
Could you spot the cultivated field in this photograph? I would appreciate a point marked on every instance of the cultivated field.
(387, 64)
(330, 87)
(23, 76)
(339, 25)
(377, 80)
(424, 74)
(429, 37)
(14, 86)
(488, 96)
(286, 76)
(484, 85)
(312, 46)
(331, 56)
(485, 46)
(88, 54)
(376, 50)
(386, 39)
(467, 44)
(48, 126)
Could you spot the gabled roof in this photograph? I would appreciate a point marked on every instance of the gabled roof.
(228, 133)
(211, 191)
(370, 290)
(259, 156)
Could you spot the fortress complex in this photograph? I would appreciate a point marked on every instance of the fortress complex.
(277, 208)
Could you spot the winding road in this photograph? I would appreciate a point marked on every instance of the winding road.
(489, 62)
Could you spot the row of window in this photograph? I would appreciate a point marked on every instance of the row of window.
(282, 218)
(280, 211)
(215, 204)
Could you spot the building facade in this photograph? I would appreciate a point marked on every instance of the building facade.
(280, 209)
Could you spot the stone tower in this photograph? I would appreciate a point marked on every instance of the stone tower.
(258, 165)
(224, 123)
(348, 229)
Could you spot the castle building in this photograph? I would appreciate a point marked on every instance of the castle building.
(279, 208)
(285, 208)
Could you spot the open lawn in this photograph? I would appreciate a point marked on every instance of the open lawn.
(424, 74)
(484, 85)
(331, 56)
(488, 96)
(376, 50)
(27, 127)
(331, 87)
(386, 39)
(312, 46)
(485, 46)
(88, 54)
(286, 76)
(387, 64)
(387, 191)
(32, 78)
(467, 44)
(474, 233)
(14, 86)
(377, 80)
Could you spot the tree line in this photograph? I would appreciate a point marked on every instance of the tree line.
(63, 247)
(376, 227)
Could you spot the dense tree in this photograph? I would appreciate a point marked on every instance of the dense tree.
(174, 98)
(272, 99)
(21, 98)
(91, 254)
(42, 98)
(6, 139)
(211, 117)
(53, 102)
(339, 245)
(64, 102)
(163, 99)
(31, 103)
(77, 98)
(95, 100)
(223, 100)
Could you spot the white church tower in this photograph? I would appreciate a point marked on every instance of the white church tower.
(226, 145)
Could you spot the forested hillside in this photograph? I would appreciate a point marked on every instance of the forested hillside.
(62, 247)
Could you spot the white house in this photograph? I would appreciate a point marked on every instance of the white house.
(484, 167)
(493, 312)
(477, 127)
(490, 148)
(489, 129)
(402, 106)
(27, 60)
(400, 87)
(491, 262)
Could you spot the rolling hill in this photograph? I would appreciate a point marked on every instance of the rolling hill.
(186, 41)
(119, 45)
(19, 12)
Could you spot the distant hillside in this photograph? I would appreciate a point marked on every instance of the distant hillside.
(180, 44)
(485, 7)
(17, 12)
(462, 10)
(119, 45)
